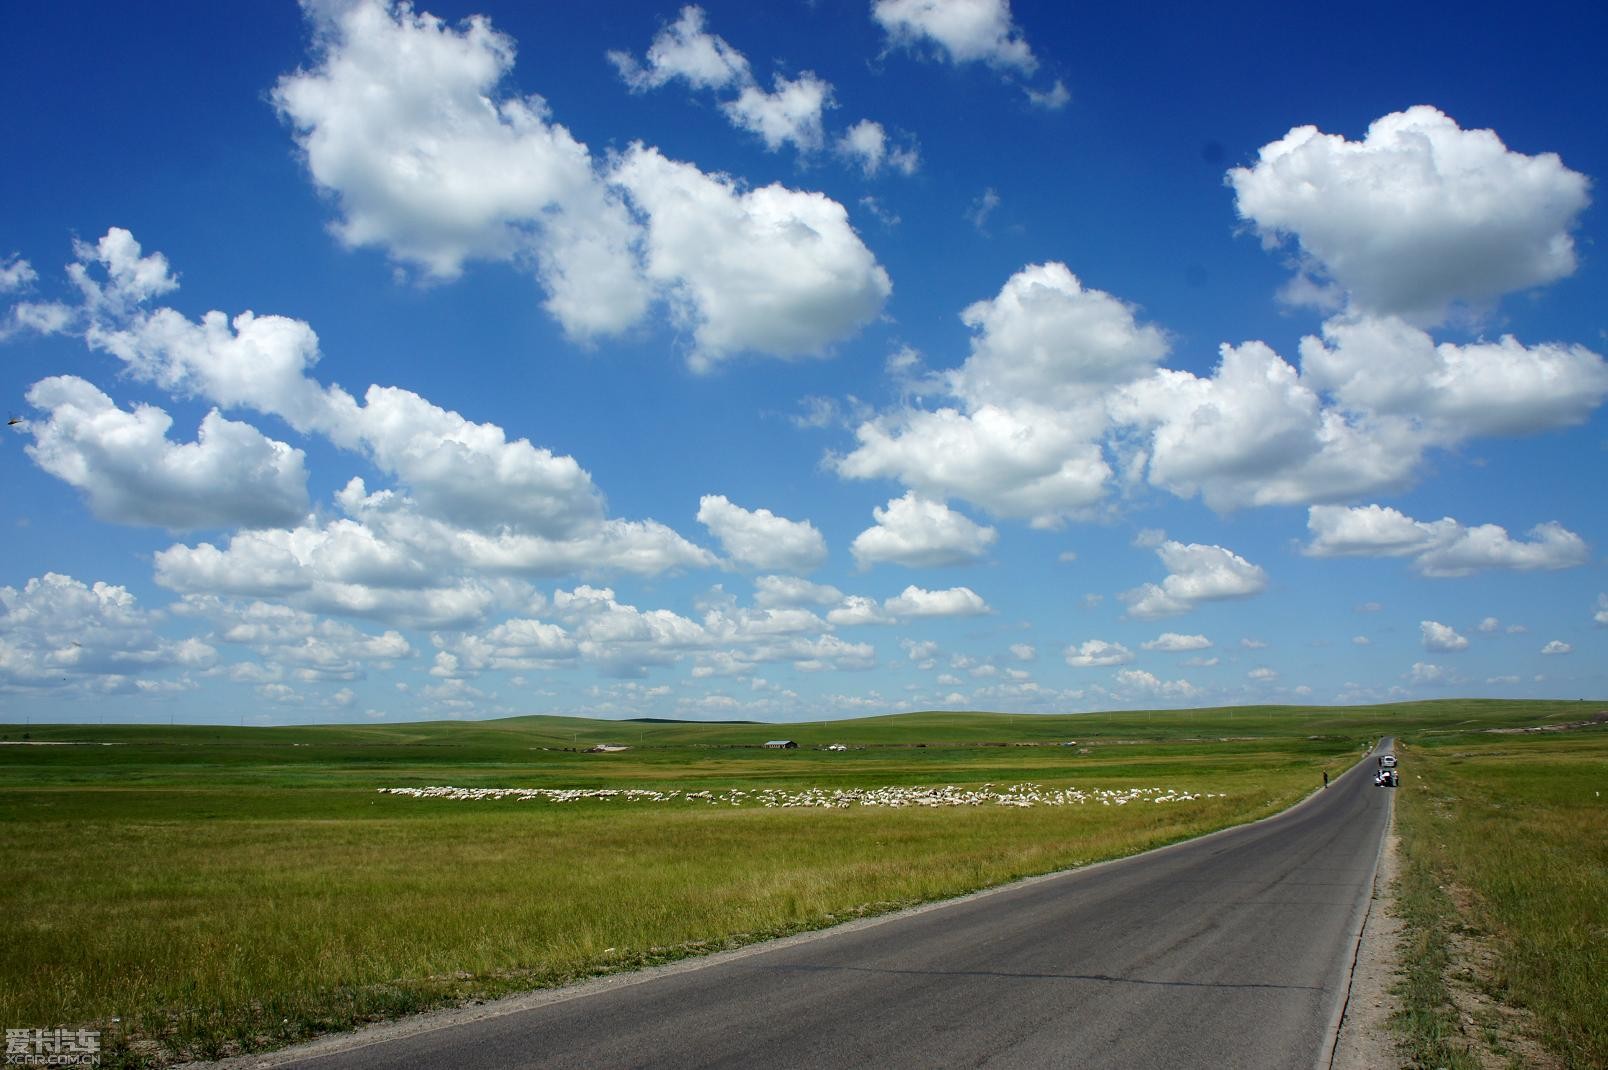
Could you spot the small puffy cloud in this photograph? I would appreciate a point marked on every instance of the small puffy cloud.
(915, 601)
(1600, 617)
(132, 275)
(1361, 640)
(1441, 638)
(1490, 626)
(1557, 646)
(1452, 392)
(1253, 644)
(768, 270)
(1097, 653)
(981, 208)
(1417, 216)
(1047, 338)
(919, 650)
(131, 473)
(791, 112)
(1030, 461)
(1262, 674)
(919, 533)
(760, 539)
(858, 609)
(685, 50)
(867, 144)
(1052, 99)
(961, 31)
(471, 473)
(1424, 672)
(1024, 652)
(401, 117)
(1195, 573)
(784, 591)
(39, 317)
(1173, 642)
(16, 274)
(1444, 548)
(1150, 684)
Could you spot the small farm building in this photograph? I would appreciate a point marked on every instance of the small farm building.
(781, 744)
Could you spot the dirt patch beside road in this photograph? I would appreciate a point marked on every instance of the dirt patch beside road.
(1366, 1040)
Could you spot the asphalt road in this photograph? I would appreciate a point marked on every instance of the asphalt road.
(1229, 951)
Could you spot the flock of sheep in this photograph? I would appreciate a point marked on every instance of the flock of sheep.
(1023, 795)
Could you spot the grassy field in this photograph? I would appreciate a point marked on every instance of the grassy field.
(203, 890)
(1506, 841)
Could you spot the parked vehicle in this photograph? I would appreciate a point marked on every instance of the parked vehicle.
(1387, 761)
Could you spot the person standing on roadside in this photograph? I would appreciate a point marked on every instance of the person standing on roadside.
(1325, 778)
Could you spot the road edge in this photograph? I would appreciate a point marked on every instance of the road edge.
(1357, 1026)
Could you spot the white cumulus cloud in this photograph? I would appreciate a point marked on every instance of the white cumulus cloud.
(1416, 216)
(1097, 653)
(790, 112)
(770, 270)
(1454, 392)
(1024, 439)
(59, 632)
(759, 538)
(774, 591)
(868, 145)
(1196, 573)
(915, 601)
(961, 31)
(1173, 642)
(1443, 548)
(1441, 638)
(131, 473)
(685, 50)
(404, 120)
(918, 532)
(1148, 683)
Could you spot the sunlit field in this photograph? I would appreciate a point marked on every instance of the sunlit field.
(1506, 837)
(201, 891)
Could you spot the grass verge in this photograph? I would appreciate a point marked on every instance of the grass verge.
(1503, 894)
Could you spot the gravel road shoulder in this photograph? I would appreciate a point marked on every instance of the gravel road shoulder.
(1366, 1041)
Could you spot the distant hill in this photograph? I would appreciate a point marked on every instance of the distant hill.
(678, 720)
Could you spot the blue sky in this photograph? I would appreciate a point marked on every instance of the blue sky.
(797, 361)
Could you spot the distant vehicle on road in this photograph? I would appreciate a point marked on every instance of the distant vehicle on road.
(1387, 761)
(1387, 778)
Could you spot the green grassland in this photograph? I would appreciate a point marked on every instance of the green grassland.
(1506, 841)
(197, 890)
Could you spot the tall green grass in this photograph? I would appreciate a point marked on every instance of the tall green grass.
(1507, 837)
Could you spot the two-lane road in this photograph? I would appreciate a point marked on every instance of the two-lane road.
(1229, 951)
